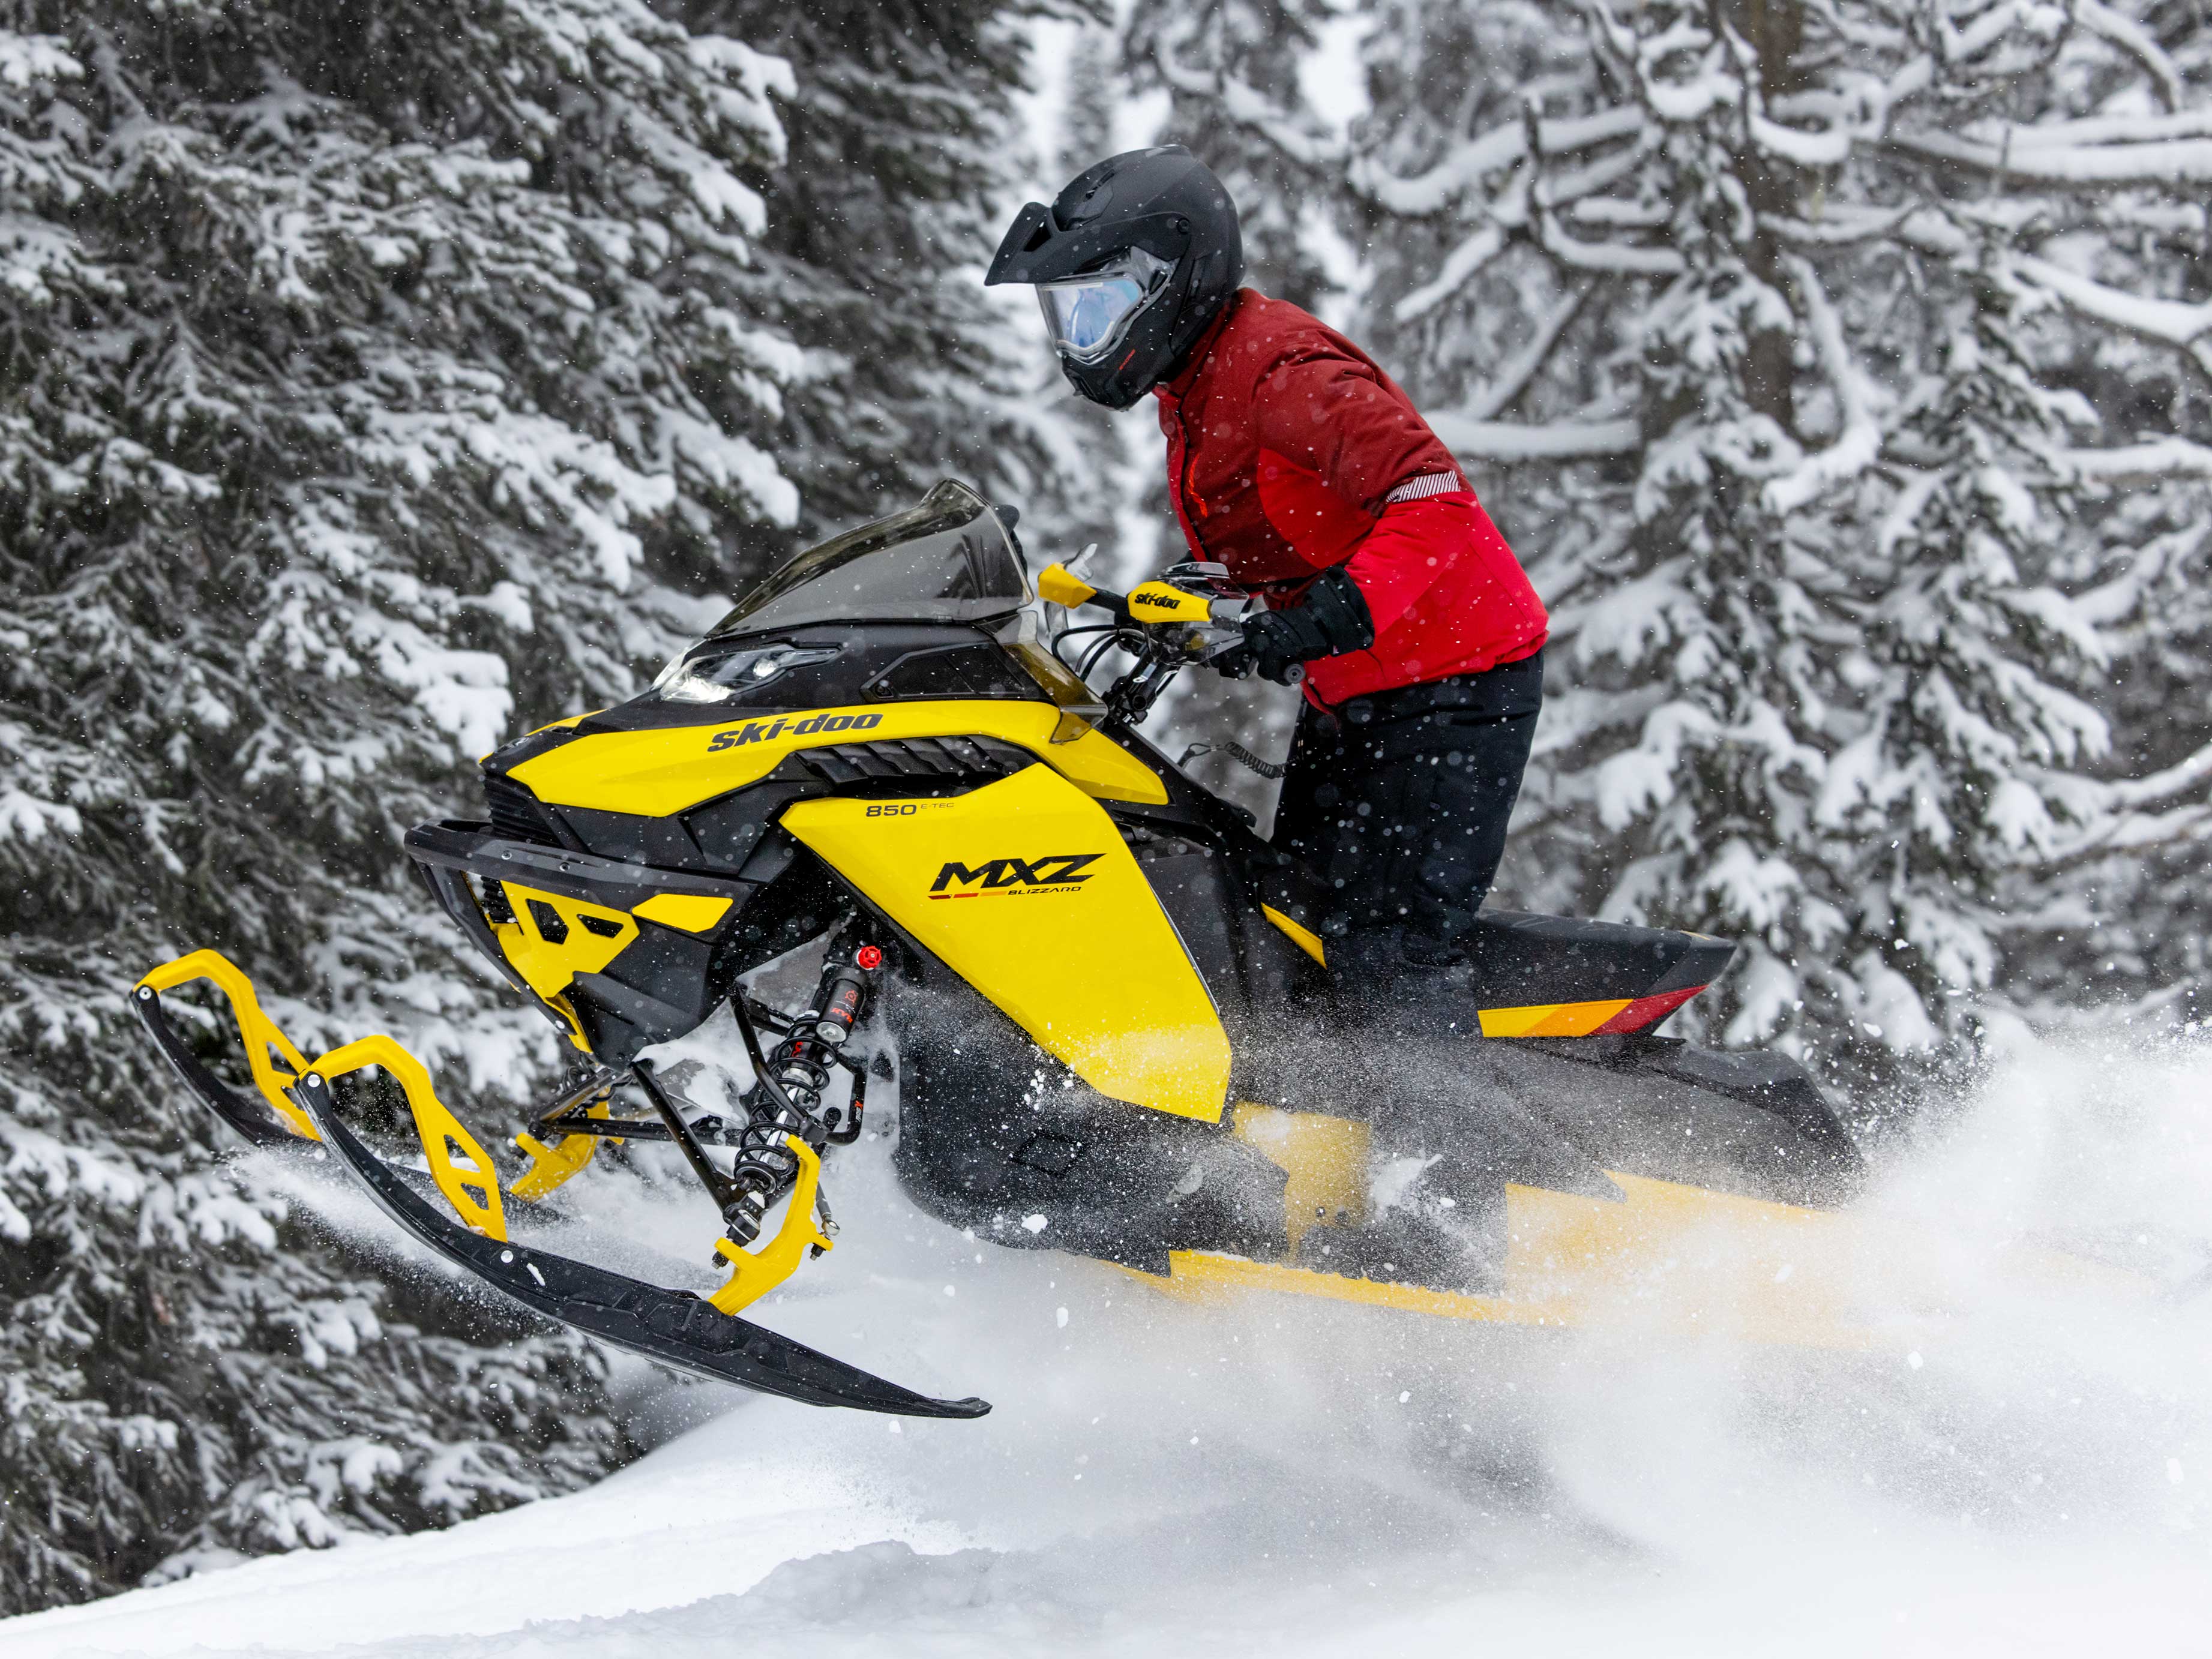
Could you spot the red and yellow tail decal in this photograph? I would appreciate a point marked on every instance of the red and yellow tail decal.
(1555, 1019)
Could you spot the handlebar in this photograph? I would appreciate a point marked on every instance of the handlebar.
(1164, 626)
(1148, 604)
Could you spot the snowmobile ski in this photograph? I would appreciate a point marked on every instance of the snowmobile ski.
(671, 1328)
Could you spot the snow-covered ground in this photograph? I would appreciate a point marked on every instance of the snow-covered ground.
(1279, 1479)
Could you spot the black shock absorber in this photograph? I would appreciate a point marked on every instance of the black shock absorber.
(799, 1066)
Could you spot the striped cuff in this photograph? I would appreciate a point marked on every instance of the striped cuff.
(1428, 484)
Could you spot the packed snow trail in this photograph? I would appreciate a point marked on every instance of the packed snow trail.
(1292, 1478)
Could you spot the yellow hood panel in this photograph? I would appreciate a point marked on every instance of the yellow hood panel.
(666, 770)
(1025, 889)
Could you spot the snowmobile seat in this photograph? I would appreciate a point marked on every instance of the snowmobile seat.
(1532, 975)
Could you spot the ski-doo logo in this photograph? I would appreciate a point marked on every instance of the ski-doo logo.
(1057, 870)
(768, 731)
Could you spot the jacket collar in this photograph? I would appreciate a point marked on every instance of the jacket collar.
(1177, 386)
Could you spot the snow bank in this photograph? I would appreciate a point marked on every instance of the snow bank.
(1275, 1477)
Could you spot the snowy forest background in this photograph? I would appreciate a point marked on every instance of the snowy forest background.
(384, 378)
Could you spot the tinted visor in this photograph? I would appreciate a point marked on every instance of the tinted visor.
(1088, 315)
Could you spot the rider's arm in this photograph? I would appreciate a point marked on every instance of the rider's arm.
(1328, 413)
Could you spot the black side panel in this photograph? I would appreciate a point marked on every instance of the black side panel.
(1192, 888)
(1558, 1113)
(981, 1145)
(630, 837)
(1265, 874)
(726, 831)
(661, 987)
(1774, 1084)
(801, 902)
(517, 815)
(975, 669)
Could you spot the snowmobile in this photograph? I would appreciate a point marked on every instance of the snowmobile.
(1108, 1000)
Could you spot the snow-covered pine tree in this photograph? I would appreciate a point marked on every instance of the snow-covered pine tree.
(902, 153)
(2124, 925)
(367, 366)
(1785, 298)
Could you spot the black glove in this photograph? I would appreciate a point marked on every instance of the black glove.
(1333, 620)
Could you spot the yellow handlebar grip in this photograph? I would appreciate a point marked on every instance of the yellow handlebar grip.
(1057, 586)
(1156, 602)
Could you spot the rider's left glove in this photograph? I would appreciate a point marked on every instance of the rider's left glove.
(1331, 620)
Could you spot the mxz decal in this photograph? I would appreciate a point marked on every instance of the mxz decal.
(767, 731)
(1055, 870)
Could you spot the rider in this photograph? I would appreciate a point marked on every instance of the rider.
(1294, 460)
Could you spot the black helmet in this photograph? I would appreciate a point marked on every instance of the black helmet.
(1132, 263)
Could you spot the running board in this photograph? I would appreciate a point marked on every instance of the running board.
(668, 1326)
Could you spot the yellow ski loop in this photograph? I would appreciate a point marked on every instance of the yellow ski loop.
(258, 1031)
(469, 1181)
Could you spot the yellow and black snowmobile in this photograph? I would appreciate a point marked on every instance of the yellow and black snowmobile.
(1109, 1002)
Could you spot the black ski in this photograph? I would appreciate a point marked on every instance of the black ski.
(254, 1122)
(665, 1326)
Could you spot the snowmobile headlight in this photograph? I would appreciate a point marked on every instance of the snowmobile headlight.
(696, 677)
(684, 686)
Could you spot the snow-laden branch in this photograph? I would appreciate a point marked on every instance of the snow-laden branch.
(1244, 103)
(2160, 788)
(1504, 388)
(2132, 834)
(1610, 259)
(2143, 463)
(1469, 162)
(1464, 263)
(2133, 38)
(1506, 441)
(2173, 162)
(2100, 130)
(2173, 321)
(1847, 226)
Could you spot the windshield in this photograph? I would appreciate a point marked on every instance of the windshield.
(949, 559)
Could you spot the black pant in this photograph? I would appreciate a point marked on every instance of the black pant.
(1399, 801)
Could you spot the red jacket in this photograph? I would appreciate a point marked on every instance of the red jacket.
(1285, 443)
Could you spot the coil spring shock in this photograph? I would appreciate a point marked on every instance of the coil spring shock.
(799, 1064)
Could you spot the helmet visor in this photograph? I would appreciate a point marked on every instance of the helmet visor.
(1088, 315)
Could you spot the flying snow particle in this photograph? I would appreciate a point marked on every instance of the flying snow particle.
(1034, 1223)
(1914, 1360)
(948, 1290)
(1060, 1317)
(1404, 1394)
(2173, 1470)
